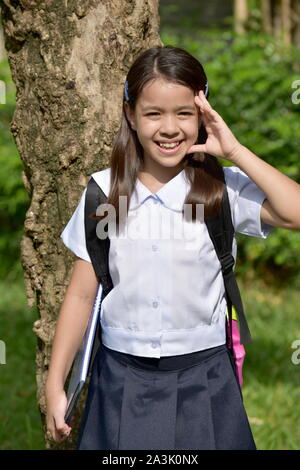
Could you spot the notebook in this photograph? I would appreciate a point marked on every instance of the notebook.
(83, 358)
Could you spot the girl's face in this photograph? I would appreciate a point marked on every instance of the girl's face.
(165, 112)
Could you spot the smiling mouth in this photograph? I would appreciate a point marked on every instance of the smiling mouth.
(169, 150)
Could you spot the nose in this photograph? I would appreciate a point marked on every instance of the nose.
(169, 125)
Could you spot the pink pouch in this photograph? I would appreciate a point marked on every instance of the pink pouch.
(238, 349)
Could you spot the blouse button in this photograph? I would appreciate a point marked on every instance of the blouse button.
(155, 304)
(154, 345)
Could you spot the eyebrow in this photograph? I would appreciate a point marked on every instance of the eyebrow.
(146, 108)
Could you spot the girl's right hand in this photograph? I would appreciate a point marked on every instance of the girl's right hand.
(57, 428)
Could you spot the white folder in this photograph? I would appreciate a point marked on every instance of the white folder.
(82, 361)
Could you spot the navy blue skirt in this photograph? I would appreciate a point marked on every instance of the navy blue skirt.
(191, 402)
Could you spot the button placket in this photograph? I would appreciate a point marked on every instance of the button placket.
(155, 303)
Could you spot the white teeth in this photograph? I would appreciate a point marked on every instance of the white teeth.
(173, 145)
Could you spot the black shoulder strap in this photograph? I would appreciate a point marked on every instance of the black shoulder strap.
(97, 249)
(221, 232)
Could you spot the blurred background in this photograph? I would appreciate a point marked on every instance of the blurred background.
(251, 55)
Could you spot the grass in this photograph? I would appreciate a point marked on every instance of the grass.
(271, 381)
(20, 423)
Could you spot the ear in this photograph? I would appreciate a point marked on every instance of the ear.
(130, 115)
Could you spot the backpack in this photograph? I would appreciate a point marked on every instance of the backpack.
(221, 232)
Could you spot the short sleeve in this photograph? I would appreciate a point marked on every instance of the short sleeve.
(73, 235)
(246, 200)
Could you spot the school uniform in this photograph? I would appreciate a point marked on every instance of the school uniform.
(163, 376)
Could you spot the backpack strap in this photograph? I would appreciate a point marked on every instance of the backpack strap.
(98, 250)
(221, 232)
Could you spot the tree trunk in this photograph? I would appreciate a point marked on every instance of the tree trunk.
(295, 13)
(266, 16)
(286, 22)
(241, 13)
(282, 19)
(2, 48)
(277, 20)
(68, 61)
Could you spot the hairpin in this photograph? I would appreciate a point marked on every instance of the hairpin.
(206, 89)
(126, 92)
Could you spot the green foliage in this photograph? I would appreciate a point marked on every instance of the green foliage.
(271, 372)
(14, 199)
(20, 420)
(250, 82)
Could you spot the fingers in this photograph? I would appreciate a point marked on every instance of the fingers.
(202, 102)
(58, 430)
(209, 115)
(205, 111)
(198, 148)
(203, 98)
(61, 427)
(57, 436)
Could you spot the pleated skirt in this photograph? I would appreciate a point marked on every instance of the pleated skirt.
(187, 402)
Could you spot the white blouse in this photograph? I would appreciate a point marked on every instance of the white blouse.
(168, 296)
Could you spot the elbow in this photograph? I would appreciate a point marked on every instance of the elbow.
(294, 225)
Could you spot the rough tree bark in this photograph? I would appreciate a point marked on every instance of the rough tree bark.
(68, 60)
(2, 48)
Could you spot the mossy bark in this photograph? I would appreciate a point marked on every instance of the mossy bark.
(68, 61)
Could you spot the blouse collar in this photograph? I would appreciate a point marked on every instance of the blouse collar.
(172, 194)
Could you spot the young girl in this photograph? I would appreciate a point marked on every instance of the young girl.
(162, 377)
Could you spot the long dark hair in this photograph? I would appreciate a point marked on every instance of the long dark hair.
(202, 170)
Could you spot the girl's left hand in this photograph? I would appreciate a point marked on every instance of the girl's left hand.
(220, 140)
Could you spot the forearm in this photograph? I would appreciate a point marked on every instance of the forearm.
(70, 328)
(282, 192)
(72, 322)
